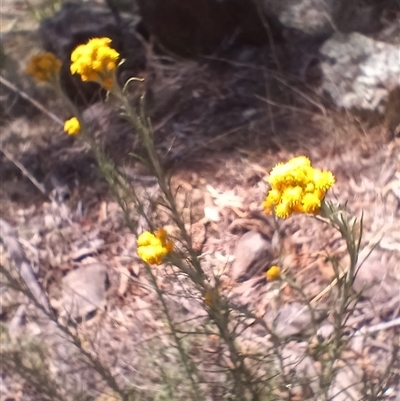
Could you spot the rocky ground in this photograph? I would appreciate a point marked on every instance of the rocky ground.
(220, 126)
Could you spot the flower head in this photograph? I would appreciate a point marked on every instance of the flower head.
(95, 61)
(273, 273)
(297, 187)
(44, 67)
(152, 248)
(323, 180)
(283, 210)
(72, 126)
(311, 202)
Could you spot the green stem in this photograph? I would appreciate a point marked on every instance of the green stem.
(187, 363)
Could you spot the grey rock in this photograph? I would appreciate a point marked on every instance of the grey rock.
(347, 384)
(294, 355)
(300, 368)
(84, 290)
(291, 319)
(376, 281)
(359, 72)
(325, 331)
(313, 17)
(323, 17)
(358, 16)
(76, 22)
(253, 254)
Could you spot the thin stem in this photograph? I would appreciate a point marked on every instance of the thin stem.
(189, 367)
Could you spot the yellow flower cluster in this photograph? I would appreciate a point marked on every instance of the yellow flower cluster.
(95, 61)
(44, 67)
(152, 248)
(297, 187)
(273, 273)
(72, 126)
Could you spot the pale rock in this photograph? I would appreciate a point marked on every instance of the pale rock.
(323, 17)
(375, 280)
(347, 384)
(253, 254)
(325, 331)
(84, 290)
(299, 367)
(291, 319)
(211, 213)
(359, 72)
(308, 16)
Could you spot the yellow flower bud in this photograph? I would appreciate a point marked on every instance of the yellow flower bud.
(72, 126)
(273, 273)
